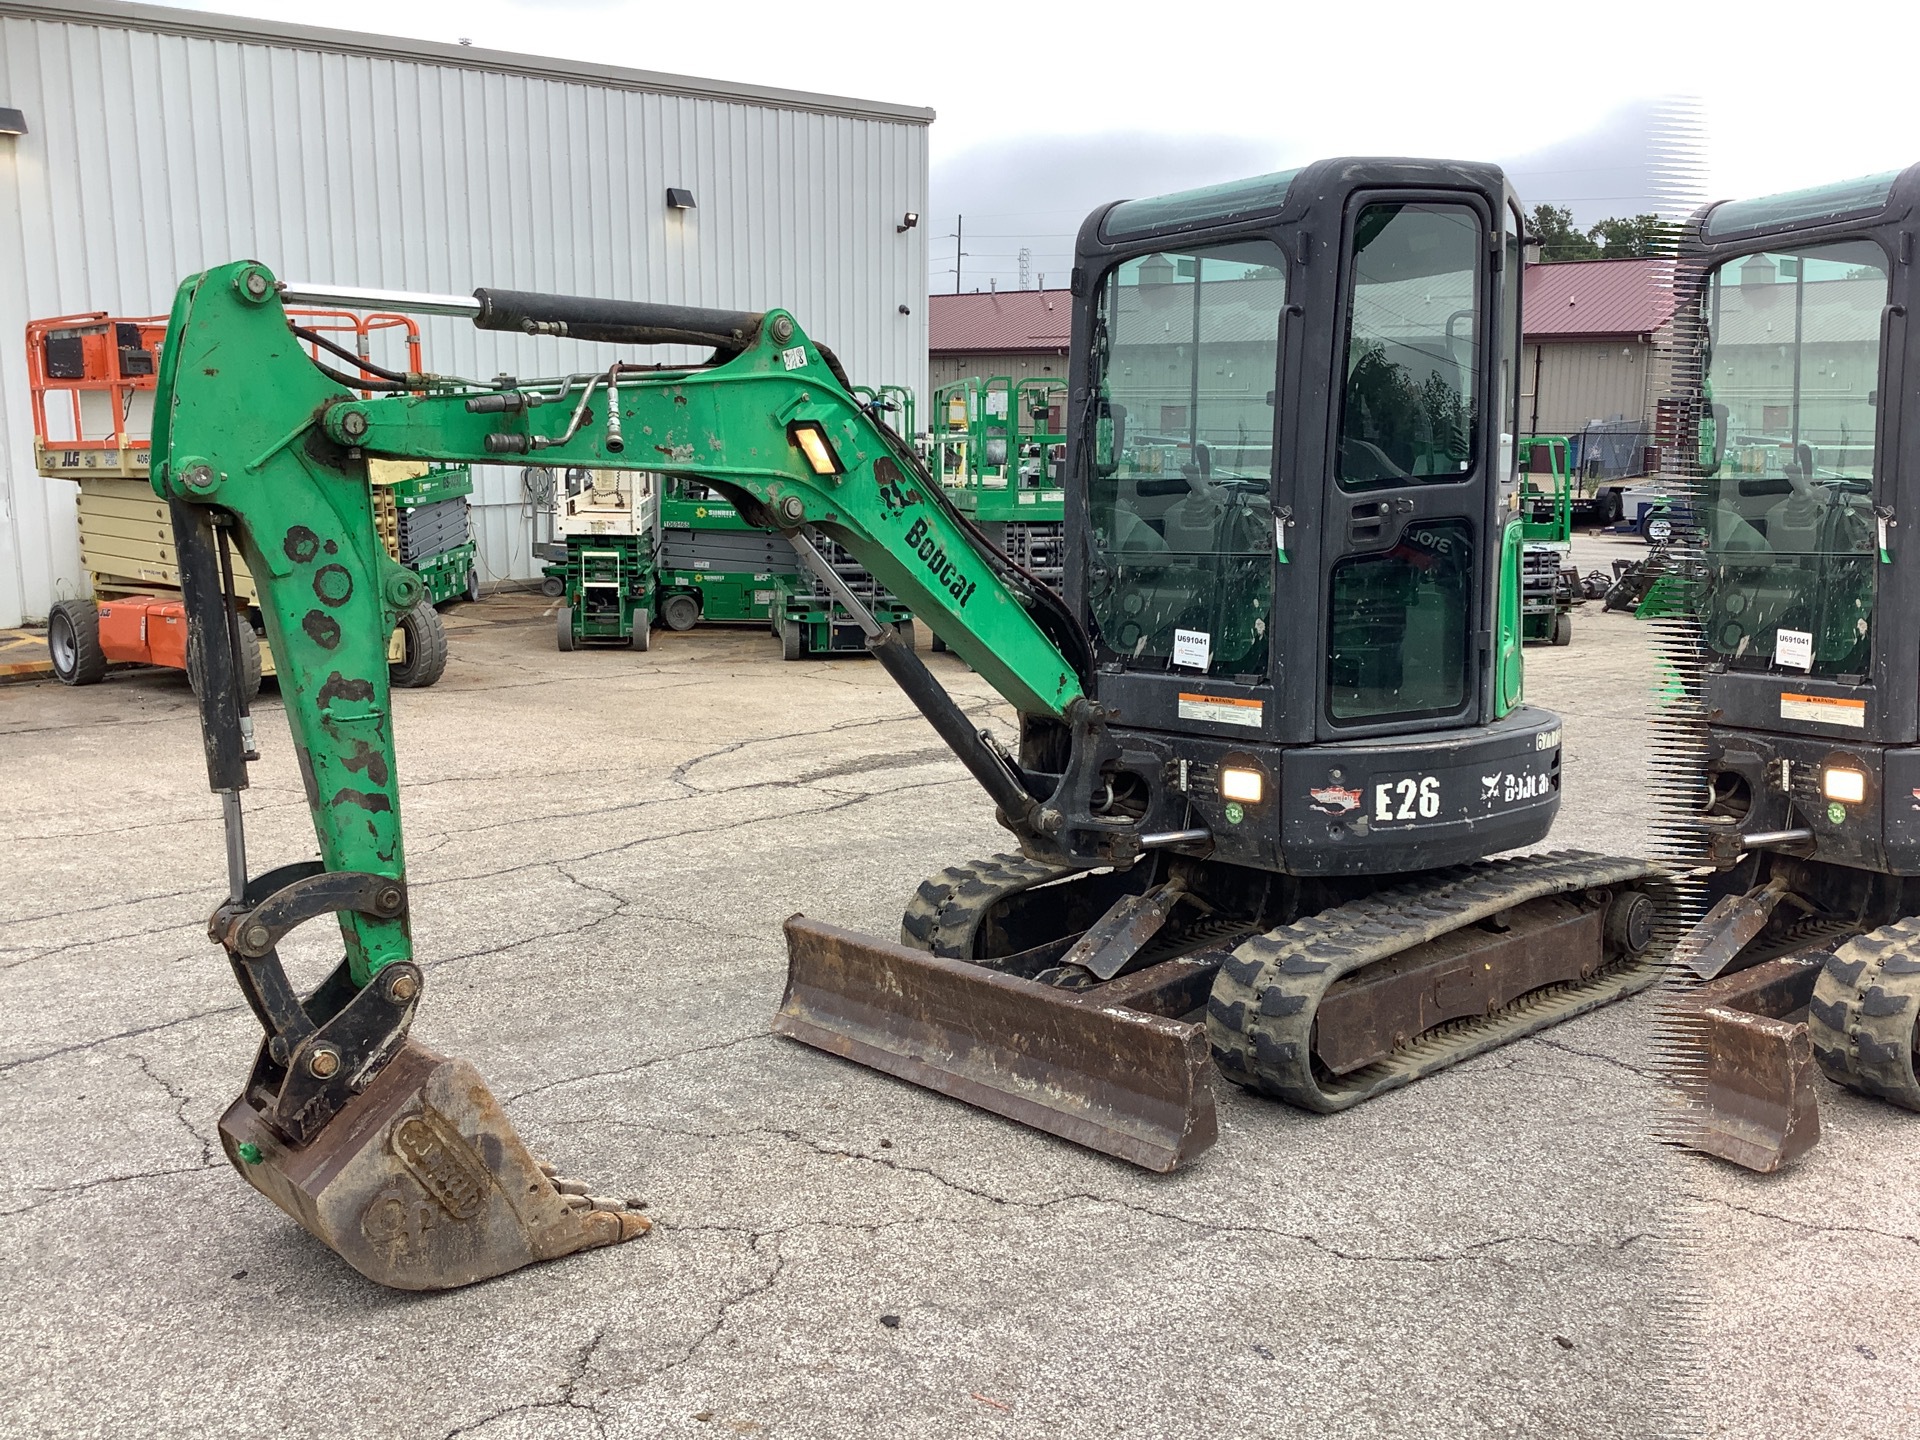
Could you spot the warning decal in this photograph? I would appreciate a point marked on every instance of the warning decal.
(1222, 710)
(1823, 709)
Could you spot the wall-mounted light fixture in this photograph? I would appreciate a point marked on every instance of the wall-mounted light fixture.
(679, 199)
(12, 122)
(907, 222)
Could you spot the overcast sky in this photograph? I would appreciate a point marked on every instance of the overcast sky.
(1045, 112)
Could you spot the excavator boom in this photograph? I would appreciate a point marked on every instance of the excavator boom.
(347, 1124)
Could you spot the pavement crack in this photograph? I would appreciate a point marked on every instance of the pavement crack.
(727, 1305)
(1562, 1045)
(691, 791)
(568, 1399)
(637, 1065)
(180, 1103)
(134, 1034)
(94, 941)
(66, 910)
(50, 1193)
(1462, 1253)
(1811, 1227)
(656, 837)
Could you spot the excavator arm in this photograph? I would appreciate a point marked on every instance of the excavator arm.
(397, 1158)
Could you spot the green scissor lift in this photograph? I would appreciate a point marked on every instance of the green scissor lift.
(424, 519)
(999, 448)
(713, 565)
(1546, 532)
(891, 405)
(999, 445)
(603, 561)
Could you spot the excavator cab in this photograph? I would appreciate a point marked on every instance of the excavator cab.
(1290, 522)
(1802, 456)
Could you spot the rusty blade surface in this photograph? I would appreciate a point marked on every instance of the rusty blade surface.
(1760, 1108)
(1726, 929)
(1115, 1079)
(421, 1182)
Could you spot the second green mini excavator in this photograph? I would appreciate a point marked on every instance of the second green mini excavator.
(1268, 733)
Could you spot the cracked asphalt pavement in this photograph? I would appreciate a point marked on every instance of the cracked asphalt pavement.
(602, 847)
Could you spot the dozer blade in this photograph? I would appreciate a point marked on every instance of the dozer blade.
(421, 1183)
(1755, 1086)
(1081, 1065)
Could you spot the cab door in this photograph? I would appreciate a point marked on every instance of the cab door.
(1409, 532)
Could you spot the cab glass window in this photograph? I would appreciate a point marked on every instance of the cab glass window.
(1791, 397)
(1182, 542)
(1397, 627)
(1412, 352)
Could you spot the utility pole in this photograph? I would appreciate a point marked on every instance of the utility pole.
(1026, 266)
(959, 229)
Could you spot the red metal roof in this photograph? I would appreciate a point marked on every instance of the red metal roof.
(1564, 301)
(1597, 297)
(1012, 320)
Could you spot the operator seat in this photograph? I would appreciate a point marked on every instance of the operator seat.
(1192, 523)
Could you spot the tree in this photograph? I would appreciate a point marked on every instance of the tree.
(1633, 239)
(1616, 238)
(1552, 227)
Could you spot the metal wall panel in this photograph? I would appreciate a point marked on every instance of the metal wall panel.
(945, 369)
(165, 141)
(1582, 380)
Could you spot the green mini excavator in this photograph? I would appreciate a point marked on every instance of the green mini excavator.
(1271, 726)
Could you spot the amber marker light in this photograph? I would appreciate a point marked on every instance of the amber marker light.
(813, 443)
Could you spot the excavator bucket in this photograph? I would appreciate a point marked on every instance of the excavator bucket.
(1112, 1067)
(421, 1183)
(1754, 1081)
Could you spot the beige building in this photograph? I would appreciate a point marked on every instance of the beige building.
(1018, 333)
(1592, 360)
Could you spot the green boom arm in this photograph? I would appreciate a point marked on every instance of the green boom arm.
(254, 440)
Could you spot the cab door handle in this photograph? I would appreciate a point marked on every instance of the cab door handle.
(1369, 520)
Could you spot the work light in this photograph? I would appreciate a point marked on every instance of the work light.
(1247, 785)
(812, 440)
(1849, 787)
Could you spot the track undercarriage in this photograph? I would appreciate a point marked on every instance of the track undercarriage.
(1089, 1005)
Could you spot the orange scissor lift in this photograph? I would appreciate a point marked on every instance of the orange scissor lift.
(93, 379)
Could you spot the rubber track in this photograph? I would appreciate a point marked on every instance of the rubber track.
(945, 913)
(1861, 1018)
(1261, 1013)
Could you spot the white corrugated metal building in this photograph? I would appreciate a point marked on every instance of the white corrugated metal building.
(160, 141)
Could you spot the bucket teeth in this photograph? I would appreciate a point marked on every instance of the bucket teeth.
(421, 1182)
